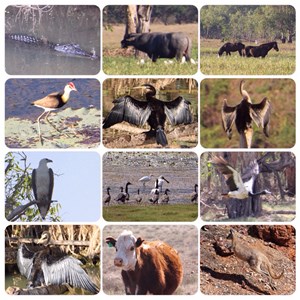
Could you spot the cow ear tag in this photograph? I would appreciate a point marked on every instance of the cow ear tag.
(110, 244)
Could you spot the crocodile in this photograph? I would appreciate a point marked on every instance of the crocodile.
(69, 49)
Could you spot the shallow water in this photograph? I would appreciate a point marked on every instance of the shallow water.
(15, 279)
(19, 93)
(57, 24)
(180, 169)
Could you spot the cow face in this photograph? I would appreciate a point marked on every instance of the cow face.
(126, 245)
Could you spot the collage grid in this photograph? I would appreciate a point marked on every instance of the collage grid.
(95, 163)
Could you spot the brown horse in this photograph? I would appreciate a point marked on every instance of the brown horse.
(231, 47)
(261, 50)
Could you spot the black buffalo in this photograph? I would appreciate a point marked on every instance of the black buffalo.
(160, 45)
(231, 47)
(261, 50)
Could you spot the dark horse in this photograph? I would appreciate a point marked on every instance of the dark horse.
(261, 50)
(231, 47)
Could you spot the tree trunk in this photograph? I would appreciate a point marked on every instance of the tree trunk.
(242, 208)
(138, 21)
(131, 20)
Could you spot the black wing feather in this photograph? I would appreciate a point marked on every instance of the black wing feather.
(228, 117)
(128, 109)
(178, 111)
(260, 113)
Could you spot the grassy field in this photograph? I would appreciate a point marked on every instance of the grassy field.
(117, 62)
(183, 238)
(275, 63)
(151, 213)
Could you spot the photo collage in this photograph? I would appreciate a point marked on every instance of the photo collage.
(149, 149)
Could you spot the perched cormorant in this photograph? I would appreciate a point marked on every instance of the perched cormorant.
(243, 114)
(240, 187)
(42, 181)
(51, 266)
(153, 111)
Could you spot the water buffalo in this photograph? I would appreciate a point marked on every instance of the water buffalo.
(160, 45)
(231, 47)
(261, 50)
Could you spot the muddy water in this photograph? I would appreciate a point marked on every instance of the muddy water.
(57, 24)
(180, 169)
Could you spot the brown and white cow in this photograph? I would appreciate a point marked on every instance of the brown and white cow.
(147, 267)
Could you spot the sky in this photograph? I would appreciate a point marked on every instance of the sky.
(76, 182)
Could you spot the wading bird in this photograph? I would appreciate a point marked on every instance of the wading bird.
(47, 265)
(107, 196)
(160, 182)
(243, 114)
(145, 179)
(240, 187)
(154, 197)
(52, 102)
(42, 181)
(165, 198)
(153, 111)
(122, 196)
(138, 197)
(194, 196)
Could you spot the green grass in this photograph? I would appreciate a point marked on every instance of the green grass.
(275, 63)
(151, 213)
(119, 65)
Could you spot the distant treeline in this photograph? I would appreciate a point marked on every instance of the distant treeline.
(166, 14)
(247, 22)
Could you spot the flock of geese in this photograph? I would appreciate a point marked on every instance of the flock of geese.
(156, 196)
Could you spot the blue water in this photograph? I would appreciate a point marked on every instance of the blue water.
(19, 93)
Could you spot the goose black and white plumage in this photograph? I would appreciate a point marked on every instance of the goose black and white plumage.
(194, 196)
(123, 196)
(244, 113)
(240, 187)
(165, 198)
(138, 197)
(153, 111)
(107, 197)
(48, 265)
(42, 182)
(154, 197)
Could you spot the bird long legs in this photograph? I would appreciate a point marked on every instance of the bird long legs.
(48, 121)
